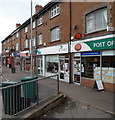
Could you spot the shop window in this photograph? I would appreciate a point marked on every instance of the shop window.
(52, 63)
(108, 61)
(89, 64)
(96, 20)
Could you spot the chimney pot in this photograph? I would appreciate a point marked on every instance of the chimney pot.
(18, 25)
(38, 8)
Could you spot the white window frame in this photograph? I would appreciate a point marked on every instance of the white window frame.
(34, 24)
(55, 34)
(40, 20)
(40, 39)
(94, 22)
(26, 29)
(17, 35)
(33, 41)
(55, 10)
(17, 46)
(26, 43)
(13, 37)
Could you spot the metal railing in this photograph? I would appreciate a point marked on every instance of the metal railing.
(17, 97)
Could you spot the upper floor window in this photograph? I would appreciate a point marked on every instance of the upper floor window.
(8, 40)
(40, 39)
(55, 10)
(17, 35)
(96, 20)
(34, 24)
(26, 29)
(55, 34)
(17, 46)
(40, 20)
(13, 37)
(26, 43)
(33, 41)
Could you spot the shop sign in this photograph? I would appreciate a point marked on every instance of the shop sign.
(57, 49)
(103, 44)
(97, 43)
(90, 53)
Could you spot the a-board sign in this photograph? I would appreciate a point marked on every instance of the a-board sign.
(99, 85)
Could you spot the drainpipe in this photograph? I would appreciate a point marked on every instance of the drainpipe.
(70, 55)
(31, 43)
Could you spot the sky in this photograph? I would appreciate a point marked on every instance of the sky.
(15, 11)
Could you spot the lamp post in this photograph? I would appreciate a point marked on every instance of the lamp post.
(31, 38)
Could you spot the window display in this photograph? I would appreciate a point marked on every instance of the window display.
(52, 63)
(89, 64)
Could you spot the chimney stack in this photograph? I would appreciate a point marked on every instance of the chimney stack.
(18, 25)
(38, 8)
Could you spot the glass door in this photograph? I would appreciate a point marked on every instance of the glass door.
(40, 65)
(77, 71)
(64, 69)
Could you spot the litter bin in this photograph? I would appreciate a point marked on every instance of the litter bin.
(29, 89)
(11, 97)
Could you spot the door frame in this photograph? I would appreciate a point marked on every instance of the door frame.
(77, 59)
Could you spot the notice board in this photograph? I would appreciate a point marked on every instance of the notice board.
(99, 85)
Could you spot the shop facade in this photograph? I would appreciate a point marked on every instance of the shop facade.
(53, 60)
(94, 60)
(25, 60)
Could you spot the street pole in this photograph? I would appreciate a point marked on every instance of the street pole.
(31, 42)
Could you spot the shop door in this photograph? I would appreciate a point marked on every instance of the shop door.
(64, 69)
(23, 64)
(40, 66)
(77, 71)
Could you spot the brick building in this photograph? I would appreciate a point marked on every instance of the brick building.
(75, 39)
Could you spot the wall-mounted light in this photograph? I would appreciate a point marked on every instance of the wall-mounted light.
(74, 26)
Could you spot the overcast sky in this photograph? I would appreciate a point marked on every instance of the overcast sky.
(15, 11)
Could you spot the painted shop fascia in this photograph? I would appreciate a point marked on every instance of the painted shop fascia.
(97, 43)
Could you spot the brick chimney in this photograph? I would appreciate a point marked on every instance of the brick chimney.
(38, 8)
(18, 25)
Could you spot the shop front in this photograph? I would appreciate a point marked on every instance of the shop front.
(25, 60)
(53, 60)
(94, 60)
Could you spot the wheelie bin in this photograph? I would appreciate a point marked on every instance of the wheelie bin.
(11, 97)
(29, 89)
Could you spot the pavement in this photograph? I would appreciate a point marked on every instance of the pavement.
(100, 100)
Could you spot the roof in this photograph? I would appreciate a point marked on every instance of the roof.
(43, 10)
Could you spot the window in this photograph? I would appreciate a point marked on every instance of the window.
(40, 20)
(17, 46)
(13, 37)
(89, 64)
(55, 34)
(26, 29)
(26, 43)
(108, 61)
(40, 39)
(55, 11)
(33, 41)
(34, 25)
(17, 35)
(97, 20)
(52, 63)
